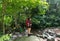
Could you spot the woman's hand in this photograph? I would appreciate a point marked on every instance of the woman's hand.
(28, 25)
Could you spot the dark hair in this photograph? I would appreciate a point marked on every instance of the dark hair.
(28, 18)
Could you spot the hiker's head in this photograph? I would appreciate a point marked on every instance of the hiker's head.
(29, 18)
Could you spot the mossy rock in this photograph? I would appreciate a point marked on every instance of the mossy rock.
(26, 38)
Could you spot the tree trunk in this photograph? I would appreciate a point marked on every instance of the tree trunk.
(3, 12)
(15, 20)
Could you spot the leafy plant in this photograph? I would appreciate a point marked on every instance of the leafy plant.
(5, 37)
(7, 20)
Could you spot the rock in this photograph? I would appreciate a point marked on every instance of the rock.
(14, 36)
(17, 33)
(20, 35)
(50, 40)
(30, 38)
(33, 38)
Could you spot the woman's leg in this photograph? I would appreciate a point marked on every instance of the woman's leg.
(29, 30)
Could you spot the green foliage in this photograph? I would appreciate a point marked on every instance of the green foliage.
(22, 18)
(29, 7)
(26, 6)
(45, 21)
(7, 20)
(36, 9)
(5, 37)
(43, 6)
(50, 19)
(21, 9)
(0, 7)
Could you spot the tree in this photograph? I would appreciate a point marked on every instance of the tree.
(3, 12)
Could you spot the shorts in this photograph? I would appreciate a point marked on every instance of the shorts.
(28, 26)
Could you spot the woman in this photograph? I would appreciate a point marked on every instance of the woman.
(28, 25)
